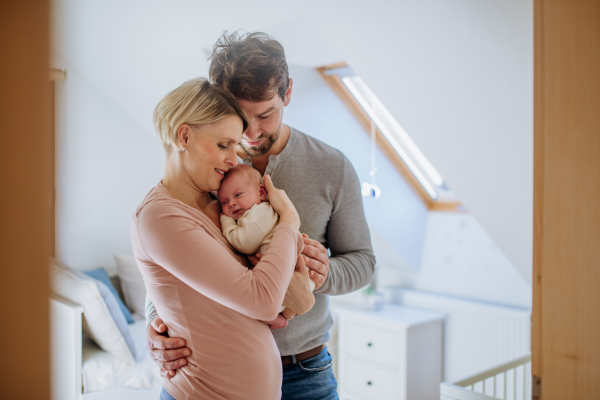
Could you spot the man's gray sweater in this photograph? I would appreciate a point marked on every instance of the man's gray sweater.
(325, 190)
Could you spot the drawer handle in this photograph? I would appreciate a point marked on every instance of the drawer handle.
(369, 383)
(370, 344)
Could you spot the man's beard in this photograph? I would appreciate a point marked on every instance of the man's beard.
(264, 147)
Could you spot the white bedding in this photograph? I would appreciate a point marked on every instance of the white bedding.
(102, 370)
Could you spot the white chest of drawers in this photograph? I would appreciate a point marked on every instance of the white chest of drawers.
(394, 353)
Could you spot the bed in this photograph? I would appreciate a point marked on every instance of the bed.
(83, 371)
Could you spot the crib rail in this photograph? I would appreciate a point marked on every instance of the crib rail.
(65, 336)
(509, 381)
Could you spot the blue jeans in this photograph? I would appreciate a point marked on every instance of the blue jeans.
(164, 395)
(311, 379)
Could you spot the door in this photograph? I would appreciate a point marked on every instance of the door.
(566, 287)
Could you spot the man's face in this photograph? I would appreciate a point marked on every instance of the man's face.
(264, 123)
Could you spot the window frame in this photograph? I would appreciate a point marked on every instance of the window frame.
(339, 88)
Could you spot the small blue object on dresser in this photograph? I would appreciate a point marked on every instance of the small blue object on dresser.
(100, 275)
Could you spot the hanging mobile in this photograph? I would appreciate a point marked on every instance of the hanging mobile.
(371, 189)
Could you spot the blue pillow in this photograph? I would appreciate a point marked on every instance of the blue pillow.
(113, 308)
(100, 274)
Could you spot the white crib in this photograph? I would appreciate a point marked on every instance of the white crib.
(509, 381)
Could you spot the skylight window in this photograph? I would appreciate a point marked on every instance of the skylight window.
(357, 93)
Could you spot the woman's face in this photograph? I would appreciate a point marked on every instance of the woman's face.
(210, 151)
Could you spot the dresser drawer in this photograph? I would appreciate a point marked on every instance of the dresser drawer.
(380, 346)
(371, 382)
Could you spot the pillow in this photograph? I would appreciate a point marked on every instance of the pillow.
(100, 274)
(132, 283)
(103, 320)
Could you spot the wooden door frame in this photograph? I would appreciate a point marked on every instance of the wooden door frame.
(26, 150)
(566, 253)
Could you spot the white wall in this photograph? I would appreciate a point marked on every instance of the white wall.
(105, 164)
(461, 259)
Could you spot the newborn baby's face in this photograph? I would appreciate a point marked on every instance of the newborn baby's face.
(238, 193)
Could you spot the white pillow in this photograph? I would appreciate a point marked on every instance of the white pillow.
(103, 320)
(132, 283)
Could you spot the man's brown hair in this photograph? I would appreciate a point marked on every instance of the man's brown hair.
(251, 66)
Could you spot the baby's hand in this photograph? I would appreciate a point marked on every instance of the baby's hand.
(288, 314)
(279, 322)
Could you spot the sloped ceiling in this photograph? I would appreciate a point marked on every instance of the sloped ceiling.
(457, 75)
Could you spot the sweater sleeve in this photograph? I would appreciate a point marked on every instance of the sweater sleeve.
(352, 260)
(181, 246)
(150, 311)
(251, 229)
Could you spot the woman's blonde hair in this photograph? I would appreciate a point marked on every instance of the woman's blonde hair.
(195, 102)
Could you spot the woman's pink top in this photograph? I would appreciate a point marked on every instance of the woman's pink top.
(205, 293)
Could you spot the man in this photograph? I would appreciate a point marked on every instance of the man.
(325, 190)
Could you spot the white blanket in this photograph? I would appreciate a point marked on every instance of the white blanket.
(102, 370)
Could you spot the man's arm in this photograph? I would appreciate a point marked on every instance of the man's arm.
(352, 259)
(150, 311)
(168, 353)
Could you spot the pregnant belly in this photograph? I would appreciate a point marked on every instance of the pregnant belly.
(249, 368)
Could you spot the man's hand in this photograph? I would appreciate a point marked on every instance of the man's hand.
(316, 259)
(168, 353)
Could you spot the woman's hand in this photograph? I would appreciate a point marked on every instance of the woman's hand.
(282, 204)
(299, 298)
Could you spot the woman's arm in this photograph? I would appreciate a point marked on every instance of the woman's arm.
(299, 297)
(170, 239)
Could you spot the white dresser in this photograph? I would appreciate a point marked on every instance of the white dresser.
(394, 353)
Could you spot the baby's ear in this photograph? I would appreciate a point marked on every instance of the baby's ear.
(263, 192)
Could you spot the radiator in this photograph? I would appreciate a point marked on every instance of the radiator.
(477, 335)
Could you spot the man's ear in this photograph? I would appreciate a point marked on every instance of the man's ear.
(288, 94)
(263, 192)
(183, 134)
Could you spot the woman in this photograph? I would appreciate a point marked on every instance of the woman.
(201, 287)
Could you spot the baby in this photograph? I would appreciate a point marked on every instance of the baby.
(248, 220)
